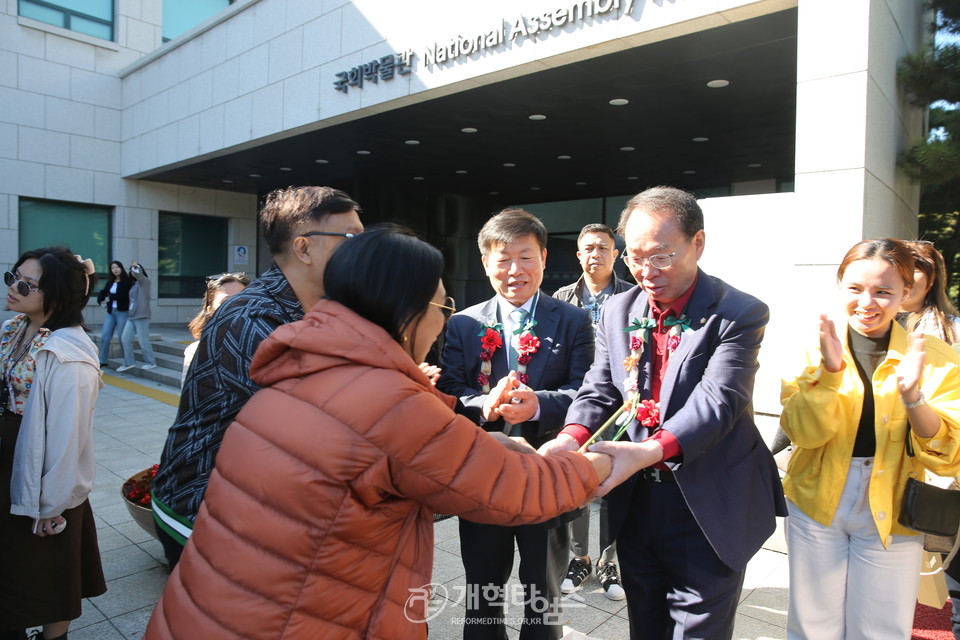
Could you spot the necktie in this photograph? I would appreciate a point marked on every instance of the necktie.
(519, 317)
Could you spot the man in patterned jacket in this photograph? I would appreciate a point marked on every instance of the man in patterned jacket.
(302, 227)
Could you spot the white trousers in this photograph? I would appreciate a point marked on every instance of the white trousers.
(843, 583)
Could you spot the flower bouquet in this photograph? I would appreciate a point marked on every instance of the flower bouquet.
(136, 495)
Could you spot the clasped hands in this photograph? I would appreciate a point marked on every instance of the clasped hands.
(614, 462)
(511, 400)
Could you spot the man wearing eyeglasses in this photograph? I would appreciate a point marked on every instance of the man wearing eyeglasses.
(694, 491)
(515, 362)
(597, 254)
(302, 226)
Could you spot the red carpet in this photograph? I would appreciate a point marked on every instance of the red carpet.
(932, 624)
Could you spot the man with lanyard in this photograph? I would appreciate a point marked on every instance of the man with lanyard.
(515, 362)
(302, 227)
(694, 491)
(597, 253)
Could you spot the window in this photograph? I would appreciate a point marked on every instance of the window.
(83, 228)
(191, 248)
(179, 16)
(90, 17)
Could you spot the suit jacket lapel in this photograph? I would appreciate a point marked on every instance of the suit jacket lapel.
(699, 308)
(489, 315)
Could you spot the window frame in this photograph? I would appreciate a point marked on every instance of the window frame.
(69, 14)
(107, 210)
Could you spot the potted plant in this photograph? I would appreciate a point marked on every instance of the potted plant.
(136, 495)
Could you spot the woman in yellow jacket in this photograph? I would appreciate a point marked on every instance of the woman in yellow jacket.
(853, 569)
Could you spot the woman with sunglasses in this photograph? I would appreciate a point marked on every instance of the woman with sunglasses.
(318, 519)
(49, 381)
(116, 293)
(219, 288)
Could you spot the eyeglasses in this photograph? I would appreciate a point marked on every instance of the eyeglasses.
(23, 287)
(447, 309)
(326, 233)
(659, 261)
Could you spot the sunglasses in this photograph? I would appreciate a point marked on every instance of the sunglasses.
(23, 287)
(447, 309)
(327, 233)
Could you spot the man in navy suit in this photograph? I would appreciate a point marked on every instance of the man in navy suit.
(516, 362)
(693, 491)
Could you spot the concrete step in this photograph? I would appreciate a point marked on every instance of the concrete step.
(163, 374)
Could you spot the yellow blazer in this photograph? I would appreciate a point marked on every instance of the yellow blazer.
(821, 411)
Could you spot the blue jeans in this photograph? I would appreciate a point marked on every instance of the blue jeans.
(115, 320)
(140, 326)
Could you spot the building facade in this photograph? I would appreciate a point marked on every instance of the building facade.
(148, 130)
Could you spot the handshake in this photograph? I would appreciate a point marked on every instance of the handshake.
(516, 403)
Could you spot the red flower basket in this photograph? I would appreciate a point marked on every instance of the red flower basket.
(136, 495)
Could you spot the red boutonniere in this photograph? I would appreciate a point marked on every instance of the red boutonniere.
(490, 341)
(526, 343)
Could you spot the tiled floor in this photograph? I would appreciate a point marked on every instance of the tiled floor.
(130, 430)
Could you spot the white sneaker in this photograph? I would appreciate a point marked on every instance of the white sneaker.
(610, 580)
(149, 366)
(125, 367)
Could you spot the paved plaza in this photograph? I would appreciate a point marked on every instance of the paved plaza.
(130, 429)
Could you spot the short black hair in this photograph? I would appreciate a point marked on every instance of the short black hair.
(64, 283)
(507, 227)
(596, 227)
(286, 210)
(386, 274)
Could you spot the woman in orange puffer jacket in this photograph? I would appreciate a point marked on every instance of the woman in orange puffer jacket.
(318, 519)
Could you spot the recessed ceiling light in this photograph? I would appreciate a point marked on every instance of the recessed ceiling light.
(619, 102)
(563, 157)
(363, 152)
(509, 164)
(411, 142)
(418, 177)
(633, 177)
(537, 116)
(700, 139)
(534, 188)
(320, 161)
(689, 172)
(718, 84)
(461, 171)
(494, 193)
(468, 130)
(627, 149)
(285, 169)
(754, 165)
(580, 184)
(254, 175)
(225, 181)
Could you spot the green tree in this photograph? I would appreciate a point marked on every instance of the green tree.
(931, 78)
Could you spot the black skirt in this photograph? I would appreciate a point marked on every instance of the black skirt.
(43, 580)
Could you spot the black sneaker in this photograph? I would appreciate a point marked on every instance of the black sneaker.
(609, 579)
(578, 571)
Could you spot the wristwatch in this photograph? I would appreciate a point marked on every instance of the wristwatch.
(916, 403)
